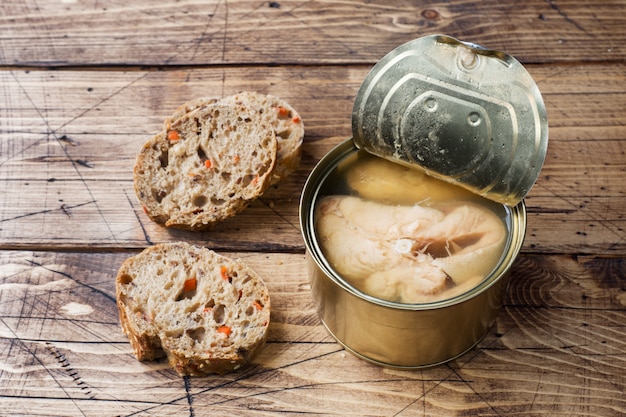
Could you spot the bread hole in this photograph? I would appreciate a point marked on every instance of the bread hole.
(182, 295)
(202, 155)
(256, 305)
(200, 201)
(254, 153)
(160, 195)
(164, 158)
(226, 176)
(173, 333)
(196, 334)
(125, 279)
(247, 179)
(209, 305)
(284, 134)
(217, 201)
(219, 313)
(262, 169)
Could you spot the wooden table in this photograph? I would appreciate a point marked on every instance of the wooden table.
(84, 83)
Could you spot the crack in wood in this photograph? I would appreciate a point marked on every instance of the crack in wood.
(189, 396)
(146, 236)
(564, 15)
(64, 208)
(69, 276)
(71, 372)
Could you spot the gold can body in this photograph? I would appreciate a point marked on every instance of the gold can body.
(396, 334)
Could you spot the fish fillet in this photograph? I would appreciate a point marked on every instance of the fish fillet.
(408, 253)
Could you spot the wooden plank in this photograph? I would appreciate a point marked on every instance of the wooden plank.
(557, 348)
(68, 140)
(46, 33)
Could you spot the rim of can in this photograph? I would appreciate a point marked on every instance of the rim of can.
(309, 197)
(458, 112)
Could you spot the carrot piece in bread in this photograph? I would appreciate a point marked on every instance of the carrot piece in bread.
(224, 273)
(224, 330)
(282, 111)
(190, 285)
(173, 136)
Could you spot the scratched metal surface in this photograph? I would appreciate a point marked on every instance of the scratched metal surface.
(84, 84)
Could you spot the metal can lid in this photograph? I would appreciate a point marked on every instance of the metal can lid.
(458, 112)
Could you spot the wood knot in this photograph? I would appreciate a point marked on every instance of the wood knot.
(430, 14)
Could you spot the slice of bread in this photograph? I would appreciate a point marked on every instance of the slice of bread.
(210, 164)
(287, 125)
(205, 312)
(285, 121)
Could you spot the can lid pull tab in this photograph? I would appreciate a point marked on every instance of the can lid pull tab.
(468, 59)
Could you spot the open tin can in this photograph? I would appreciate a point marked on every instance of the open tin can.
(433, 110)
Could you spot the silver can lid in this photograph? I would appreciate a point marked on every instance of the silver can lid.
(458, 112)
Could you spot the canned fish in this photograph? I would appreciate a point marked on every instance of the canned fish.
(389, 327)
(411, 227)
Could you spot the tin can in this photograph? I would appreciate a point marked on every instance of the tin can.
(398, 334)
(412, 335)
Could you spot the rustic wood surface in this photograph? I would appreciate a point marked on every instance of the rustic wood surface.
(84, 83)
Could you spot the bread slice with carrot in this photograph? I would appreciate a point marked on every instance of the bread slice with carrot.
(205, 312)
(287, 124)
(208, 165)
(284, 119)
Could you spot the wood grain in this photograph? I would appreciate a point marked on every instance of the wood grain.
(214, 32)
(67, 151)
(84, 83)
(557, 348)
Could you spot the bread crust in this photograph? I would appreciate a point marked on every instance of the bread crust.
(209, 165)
(216, 325)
